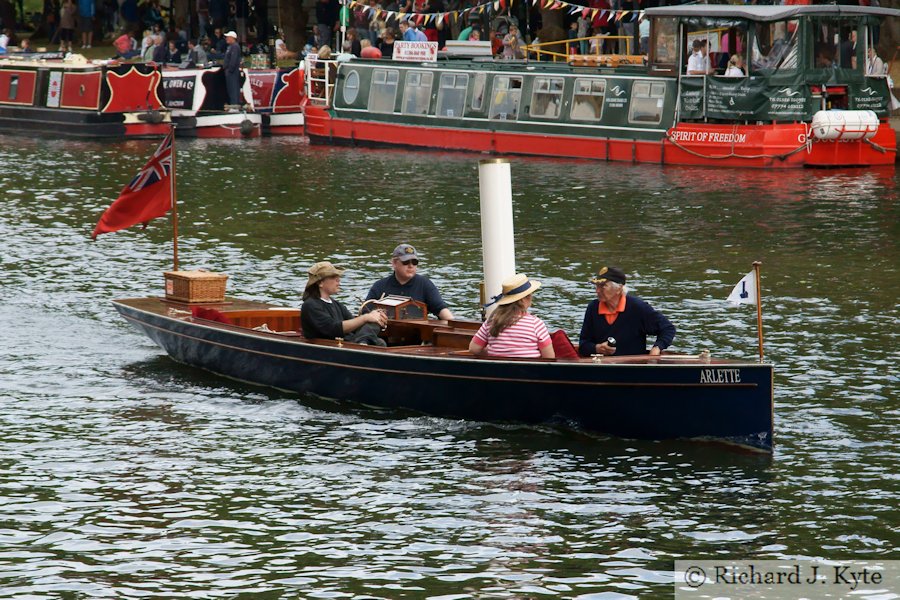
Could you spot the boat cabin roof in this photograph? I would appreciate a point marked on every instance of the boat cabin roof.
(767, 13)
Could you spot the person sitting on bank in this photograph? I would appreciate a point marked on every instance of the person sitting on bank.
(626, 319)
(196, 56)
(511, 331)
(405, 281)
(282, 52)
(698, 63)
(321, 316)
(173, 54)
(126, 46)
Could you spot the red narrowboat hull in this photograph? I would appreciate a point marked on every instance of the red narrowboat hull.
(760, 146)
(280, 96)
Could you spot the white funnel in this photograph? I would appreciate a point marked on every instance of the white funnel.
(498, 246)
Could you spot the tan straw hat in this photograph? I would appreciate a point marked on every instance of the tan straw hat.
(322, 270)
(515, 288)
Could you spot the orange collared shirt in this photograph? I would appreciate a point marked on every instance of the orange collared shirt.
(612, 315)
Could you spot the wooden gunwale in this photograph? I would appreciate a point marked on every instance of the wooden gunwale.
(433, 352)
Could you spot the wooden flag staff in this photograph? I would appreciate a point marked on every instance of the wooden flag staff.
(756, 265)
(175, 204)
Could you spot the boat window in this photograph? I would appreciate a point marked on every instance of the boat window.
(663, 48)
(384, 90)
(351, 87)
(505, 99)
(13, 87)
(452, 95)
(647, 99)
(417, 92)
(719, 39)
(775, 46)
(835, 43)
(706, 59)
(546, 98)
(587, 102)
(479, 87)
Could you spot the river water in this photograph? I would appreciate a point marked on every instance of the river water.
(123, 474)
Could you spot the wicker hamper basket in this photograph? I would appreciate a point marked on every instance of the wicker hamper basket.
(195, 286)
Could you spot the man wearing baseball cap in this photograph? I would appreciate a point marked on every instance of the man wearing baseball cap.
(232, 67)
(405, 281)
(616, 323)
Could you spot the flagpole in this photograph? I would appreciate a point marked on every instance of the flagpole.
(756, 265)
(175, 203)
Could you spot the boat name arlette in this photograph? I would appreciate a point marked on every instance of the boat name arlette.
(709, 136)
(720, 376)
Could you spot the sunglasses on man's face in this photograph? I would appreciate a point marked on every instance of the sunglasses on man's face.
(412, 261)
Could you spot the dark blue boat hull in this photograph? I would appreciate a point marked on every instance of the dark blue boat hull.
(730, 402)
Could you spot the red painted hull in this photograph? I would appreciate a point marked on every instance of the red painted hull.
(146, 130)
(760, 146)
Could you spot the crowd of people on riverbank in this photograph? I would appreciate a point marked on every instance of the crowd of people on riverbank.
(614, 322)
(145, 30)
(74, 24)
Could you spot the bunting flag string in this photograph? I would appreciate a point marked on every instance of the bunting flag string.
(497, 6)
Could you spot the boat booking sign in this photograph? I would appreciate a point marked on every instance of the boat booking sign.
(415, 51)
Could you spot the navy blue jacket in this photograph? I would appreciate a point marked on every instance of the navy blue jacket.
(232, 62)
(630, 328)
(418, 288)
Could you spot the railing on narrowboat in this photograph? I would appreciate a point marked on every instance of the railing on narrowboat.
(594, 57)
(320, 77)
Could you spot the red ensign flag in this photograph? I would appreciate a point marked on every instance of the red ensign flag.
(148, 196)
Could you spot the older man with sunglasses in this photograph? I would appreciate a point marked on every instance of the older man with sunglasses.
(405, 281)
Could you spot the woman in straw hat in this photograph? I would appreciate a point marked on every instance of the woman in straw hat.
(511, 331)
(324, 317)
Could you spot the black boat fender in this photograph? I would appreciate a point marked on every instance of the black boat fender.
(152, 116)
(246, 127)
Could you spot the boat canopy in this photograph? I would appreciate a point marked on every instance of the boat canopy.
(767, 13)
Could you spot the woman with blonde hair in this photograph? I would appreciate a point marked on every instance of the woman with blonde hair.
(511, 331)
(735, 66)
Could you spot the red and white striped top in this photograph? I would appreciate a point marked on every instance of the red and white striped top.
(522, 339)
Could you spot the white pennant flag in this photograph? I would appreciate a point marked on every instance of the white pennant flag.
(745, 291)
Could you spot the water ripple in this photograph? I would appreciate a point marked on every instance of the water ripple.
(126, 475)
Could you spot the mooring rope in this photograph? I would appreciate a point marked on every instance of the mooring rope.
(880, 148)
(732, 154)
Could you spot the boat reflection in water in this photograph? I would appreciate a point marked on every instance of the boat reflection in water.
(792, 108)
(427, 368)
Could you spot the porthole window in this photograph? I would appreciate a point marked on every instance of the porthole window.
(351, 87)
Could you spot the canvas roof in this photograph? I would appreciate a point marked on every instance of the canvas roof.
(767, 12)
